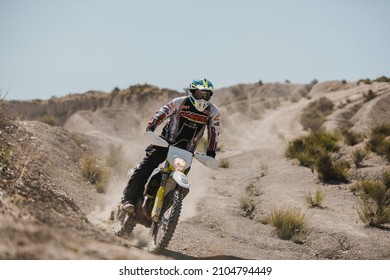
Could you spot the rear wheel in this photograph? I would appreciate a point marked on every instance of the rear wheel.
(162, 232)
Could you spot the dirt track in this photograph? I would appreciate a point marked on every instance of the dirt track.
(212, 225)
(221, 230)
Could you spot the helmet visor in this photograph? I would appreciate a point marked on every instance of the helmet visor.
(202, 94)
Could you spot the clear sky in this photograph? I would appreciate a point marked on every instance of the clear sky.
(53, 48)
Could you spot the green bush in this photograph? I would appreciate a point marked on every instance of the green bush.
(379, 141)
(386, 179)
(375, 143)
(116, 90)
(358, 156)
(315, 151)
(351, 138)
(329, 171)
(308, 148)
(364, 81)
(383, 79)
(375, 203)
(369, 95)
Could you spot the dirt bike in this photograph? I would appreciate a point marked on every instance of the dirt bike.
(160, 206)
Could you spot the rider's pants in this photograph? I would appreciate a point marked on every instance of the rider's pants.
(135, 187)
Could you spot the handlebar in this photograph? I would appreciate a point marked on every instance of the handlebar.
(154, 139)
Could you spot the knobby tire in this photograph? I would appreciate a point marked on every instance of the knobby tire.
(157, 246)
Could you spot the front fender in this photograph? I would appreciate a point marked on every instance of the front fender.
(181, 179)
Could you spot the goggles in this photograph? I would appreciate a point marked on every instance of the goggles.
(202, 94)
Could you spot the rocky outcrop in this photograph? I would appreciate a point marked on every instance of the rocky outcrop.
(64, 107)
(61, 108)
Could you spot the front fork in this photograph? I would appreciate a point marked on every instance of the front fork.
(158, 202)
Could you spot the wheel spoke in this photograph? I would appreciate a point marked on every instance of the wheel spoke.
(161, 233)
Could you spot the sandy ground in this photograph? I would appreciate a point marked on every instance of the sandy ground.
(212, 225)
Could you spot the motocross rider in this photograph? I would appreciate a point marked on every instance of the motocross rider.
(188, 118)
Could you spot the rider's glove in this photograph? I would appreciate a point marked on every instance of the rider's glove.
(150, 128)
(211, 154)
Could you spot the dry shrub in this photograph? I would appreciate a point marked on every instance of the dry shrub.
(4, 121)
(352, 138)
(314, 114)
(364, 81)
(94, 173)
(247, 204)
(5, 155)
(220, 147)
(224, 163)
(382, 79)
(263, 168)
(315, 151)
(316, 199)
(289, 223)
(358, 156)
(375, 202)
(50, 120)
(369, 95)
(386, 179)
(379, 141)
(5, 151)
(252, 190)
(307, 148)
(354, 188)
(331, 171)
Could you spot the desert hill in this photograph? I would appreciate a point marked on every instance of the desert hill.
(48, 210)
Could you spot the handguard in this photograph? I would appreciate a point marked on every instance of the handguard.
(154, 139)
(206, 160)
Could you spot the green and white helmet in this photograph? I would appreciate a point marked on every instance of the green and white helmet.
(200, 92)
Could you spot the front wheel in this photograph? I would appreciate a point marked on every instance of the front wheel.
(162, 231)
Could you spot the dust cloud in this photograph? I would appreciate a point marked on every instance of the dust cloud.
(102, 215)
(200, 184)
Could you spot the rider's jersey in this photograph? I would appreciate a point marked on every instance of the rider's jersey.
(187, 125)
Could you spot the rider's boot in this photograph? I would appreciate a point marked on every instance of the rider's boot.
(128, 207)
